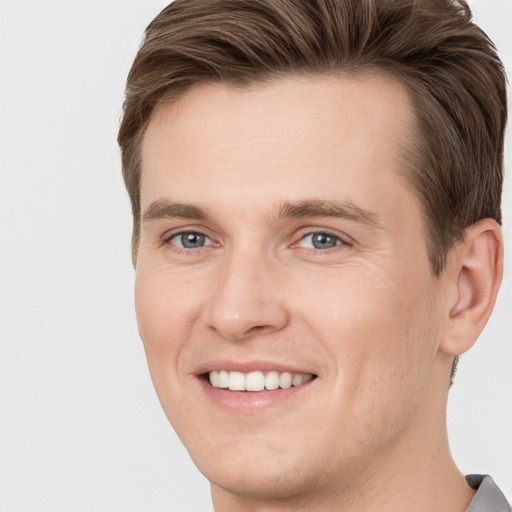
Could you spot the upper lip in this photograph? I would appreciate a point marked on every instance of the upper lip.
(248, 366)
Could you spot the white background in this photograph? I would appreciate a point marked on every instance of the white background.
(80, 425)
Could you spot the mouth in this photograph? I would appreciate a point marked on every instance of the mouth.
(256, 381)
(254, 387)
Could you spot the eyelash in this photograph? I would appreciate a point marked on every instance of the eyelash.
(342, 241)
(186, 250)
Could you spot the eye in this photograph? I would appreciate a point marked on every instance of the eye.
(190, 240)
(320, 240)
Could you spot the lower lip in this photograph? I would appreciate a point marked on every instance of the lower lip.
(251, 401)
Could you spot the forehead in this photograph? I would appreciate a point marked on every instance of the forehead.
(288, 132)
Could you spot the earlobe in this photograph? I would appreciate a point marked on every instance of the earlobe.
(476, 273)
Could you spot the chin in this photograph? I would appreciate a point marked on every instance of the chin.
(261, 481)
(261, 472)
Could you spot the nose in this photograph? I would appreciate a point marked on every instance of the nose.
(248, 298)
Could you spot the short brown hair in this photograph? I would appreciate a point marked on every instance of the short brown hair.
(450, 67)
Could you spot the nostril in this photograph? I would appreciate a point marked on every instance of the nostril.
(257, 330)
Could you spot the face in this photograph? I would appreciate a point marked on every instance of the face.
(281, 245)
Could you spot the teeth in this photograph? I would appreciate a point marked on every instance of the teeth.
(297, 379)
(236, 381)
(307, 378)
(257, 381)
(285, 380)
(223, 379)
(219, 379)
(272, 381)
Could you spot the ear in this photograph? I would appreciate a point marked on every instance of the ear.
(474, 277)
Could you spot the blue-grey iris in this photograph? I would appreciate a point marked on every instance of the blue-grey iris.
(192, 240)
(323, 241)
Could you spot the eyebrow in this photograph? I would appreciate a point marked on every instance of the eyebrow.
(167, 209)
(337, 209)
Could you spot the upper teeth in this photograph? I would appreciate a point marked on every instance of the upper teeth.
(257, 381)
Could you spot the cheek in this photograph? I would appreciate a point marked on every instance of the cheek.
(383, 348)
(160, 309)
(164, 304)
(151, 307)
(379, 332)
(164, 317)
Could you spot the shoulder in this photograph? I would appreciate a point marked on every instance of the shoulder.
(488, 497)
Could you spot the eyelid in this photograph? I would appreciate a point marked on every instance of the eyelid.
(170, 234)
(344, 239)
(177, 235)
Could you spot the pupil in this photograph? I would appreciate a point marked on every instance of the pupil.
(321, 241)
(192, 240)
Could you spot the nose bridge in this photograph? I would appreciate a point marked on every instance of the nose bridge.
(246, 299)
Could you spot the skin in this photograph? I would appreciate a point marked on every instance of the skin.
(367, 316)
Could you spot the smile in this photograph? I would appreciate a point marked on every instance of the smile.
(257, 380)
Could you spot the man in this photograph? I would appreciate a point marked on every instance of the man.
(316, 191)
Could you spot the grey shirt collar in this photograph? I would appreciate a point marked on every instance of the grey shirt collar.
(488, 497)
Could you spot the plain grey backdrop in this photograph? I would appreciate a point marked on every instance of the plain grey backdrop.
(80, 425)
